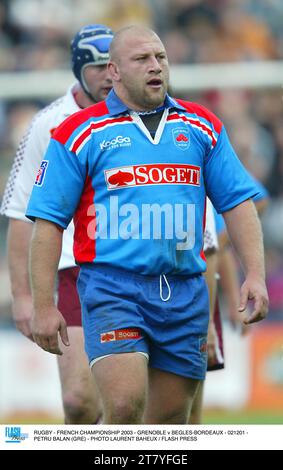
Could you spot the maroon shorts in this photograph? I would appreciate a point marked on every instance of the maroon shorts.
(68, 299)
(219, 362)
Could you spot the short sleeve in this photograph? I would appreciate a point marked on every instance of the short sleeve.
(58, 185)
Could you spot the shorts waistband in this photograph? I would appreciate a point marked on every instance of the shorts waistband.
(123, 273)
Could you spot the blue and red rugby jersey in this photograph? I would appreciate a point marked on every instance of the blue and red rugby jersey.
(139, 202)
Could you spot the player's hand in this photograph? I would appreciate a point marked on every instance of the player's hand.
(22, 314)
(46, 324)
(254, 289)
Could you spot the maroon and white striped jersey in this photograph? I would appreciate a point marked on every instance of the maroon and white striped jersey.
(27, 161)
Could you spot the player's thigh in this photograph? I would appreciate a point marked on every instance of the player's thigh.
(121, 377)
(170, 397)
(74, 370)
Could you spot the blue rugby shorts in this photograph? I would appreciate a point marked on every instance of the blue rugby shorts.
(123, 312)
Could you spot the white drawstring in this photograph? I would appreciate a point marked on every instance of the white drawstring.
(161, 277)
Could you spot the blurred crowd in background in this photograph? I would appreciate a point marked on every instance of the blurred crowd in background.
(35, 35)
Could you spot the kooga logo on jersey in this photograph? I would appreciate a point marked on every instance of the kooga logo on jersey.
(118, 141)
(156, 173)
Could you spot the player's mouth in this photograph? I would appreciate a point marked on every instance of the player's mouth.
(107, 89)
(155, 83)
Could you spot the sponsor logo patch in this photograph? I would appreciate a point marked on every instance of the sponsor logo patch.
(41, 173)
(118, 335)
(156, 173)
(118, 141)
(181, 138)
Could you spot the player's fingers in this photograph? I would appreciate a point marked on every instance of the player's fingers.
(30, 337)
(244, 296)
(255, 317)
(41, 341)
(259, 312)
(53, 345)
(24, 328)
(49, 344)
(64, 333)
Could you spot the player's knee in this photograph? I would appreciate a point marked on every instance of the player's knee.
(125, 411)
(79, 410)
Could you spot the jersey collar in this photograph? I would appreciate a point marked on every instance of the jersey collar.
(70, 104)
(116, 106)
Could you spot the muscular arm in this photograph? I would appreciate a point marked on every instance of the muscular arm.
(245, 232)
(44, 259)
(18, 239)
(229, 283)
(15, 199)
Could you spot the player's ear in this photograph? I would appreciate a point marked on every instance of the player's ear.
(114, 71)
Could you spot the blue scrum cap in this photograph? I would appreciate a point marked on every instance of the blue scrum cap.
(90, 46)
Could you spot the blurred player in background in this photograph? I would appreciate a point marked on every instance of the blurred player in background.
(90, 54)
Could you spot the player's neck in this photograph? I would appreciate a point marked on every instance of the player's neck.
(82, 100)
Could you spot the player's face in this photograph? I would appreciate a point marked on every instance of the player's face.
(98, 81)
(141, 72)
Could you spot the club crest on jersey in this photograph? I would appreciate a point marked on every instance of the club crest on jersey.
(41, 173)
(181, 138)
